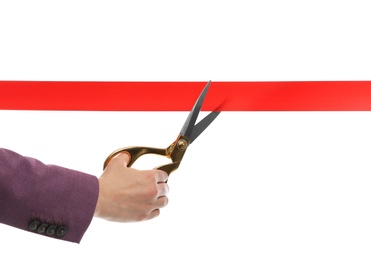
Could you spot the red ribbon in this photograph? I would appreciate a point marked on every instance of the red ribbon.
(180, 96)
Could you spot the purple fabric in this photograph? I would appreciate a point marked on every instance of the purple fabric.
(31, 190)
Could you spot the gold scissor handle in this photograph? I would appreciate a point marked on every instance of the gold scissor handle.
(175, 152)
(136, 152)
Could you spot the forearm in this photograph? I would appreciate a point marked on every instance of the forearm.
(51, 195)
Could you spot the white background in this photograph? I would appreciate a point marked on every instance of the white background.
(255, 185)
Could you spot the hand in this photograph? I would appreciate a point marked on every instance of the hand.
(127, 194)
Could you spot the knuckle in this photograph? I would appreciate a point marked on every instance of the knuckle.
(144, 214)
(152, 191)
(162, 174)
(141, 217)
(150, 176)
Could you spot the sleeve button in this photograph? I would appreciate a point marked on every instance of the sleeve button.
(42, 228)
(61, 231)
(33, 226)
(51, 230)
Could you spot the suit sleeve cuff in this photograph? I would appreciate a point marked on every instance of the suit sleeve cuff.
(46, 199)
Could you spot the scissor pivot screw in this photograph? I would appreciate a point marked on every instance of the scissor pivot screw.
(182, 144)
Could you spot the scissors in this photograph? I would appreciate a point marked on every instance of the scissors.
(189, 132)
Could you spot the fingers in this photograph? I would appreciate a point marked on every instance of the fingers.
(162, 189)
(155, 213)
(161, 176)
(161, 202)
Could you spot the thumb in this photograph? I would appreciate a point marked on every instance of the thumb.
(123, 158)
(119, 160)
(117, 163)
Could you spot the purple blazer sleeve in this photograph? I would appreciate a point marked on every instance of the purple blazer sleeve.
(45, 199)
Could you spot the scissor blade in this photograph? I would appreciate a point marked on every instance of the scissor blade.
(202, 125)
(192, 117)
